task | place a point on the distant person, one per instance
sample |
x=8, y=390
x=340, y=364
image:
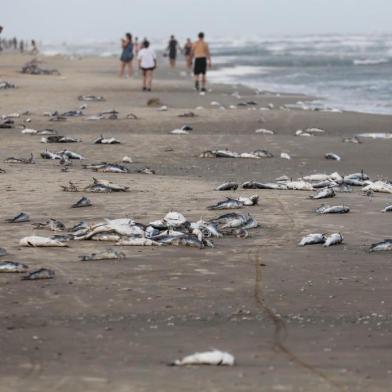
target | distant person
x=136, y=46
x=202, y=56
x=34, y=49
x=126, y=55
x=172, y=49
x=147, y=63
x=21, y=46
x=1, y=29
x=188, y=53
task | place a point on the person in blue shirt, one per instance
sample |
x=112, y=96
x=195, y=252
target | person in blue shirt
x=126, y=55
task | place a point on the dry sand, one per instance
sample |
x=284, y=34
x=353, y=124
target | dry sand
x=296, y=319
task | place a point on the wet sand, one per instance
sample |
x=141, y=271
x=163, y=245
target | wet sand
x=296, y=319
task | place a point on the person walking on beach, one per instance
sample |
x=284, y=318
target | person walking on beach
x=147, y=63
x=1, y=29
x=126, y=55
x=202, y=56
x=172, y=48
x=34, y=49
x=188, y=53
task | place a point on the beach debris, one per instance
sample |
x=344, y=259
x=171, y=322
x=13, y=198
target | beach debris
x=108, y=254
x=215, y=358
x=103, y=140
x=51, y=224
x=71, y=187
x=285, y=155
x=333, y=157
x=7, y=124
x=2, y=171
x=187, y=115
x=382, y=246
x=265, y=132
x=126, y=159
x=309, y=132
x=132, y=116
x=227, y=186
x=136, y=241
x=179, y=131
x=4, y=85
x=326, y=209
x=3, y=252
x=163, y=108
x=227, y=204
x=257, y=154
x=324, y=193
x=333, y=239
x=312, y=239
x=154, y=102
x=37, y=241
x=61, y=155
x=42, y=273
x=264, y=185
x=387, y=209
x=102, y=186
x=32, y=68
x=20, y=218
x=354, y=140
x=25, y=161
x=72, y=113
x=83, y=202
x=59, y=139
x=29, y=131
x=12, y=267
x=91, y=98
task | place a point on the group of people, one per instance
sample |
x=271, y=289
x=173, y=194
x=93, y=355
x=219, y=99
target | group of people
x=197, y=54
x=15, y=44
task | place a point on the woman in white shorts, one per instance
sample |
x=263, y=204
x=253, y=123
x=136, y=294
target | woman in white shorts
x=147, y=63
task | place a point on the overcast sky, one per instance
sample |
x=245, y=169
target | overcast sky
x=105, y=20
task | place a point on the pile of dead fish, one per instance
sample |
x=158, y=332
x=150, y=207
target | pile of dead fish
x=174, y=229
x=4, y=85
x=32, y=68
x=16, y=267
x=257, y=154
x=61, y=155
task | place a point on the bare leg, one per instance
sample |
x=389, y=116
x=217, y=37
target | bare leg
x=122, y=69
x=144, y=80
x=149, y=79
x=203, y=82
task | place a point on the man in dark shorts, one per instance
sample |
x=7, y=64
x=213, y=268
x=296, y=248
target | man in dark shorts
x=172, y=48
x=202, y=56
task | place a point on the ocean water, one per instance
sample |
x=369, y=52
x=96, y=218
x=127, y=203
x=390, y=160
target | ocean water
x=347, y=72
x=350, y=72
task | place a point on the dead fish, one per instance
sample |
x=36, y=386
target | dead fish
x=323, y=194
x=227, y=186
x=29, y=131
x=219, y=154
x=70, y=154
x=146, y=170
x=3, y=252
x=51, y=224
x=284, y=155
x=216, y=358
x=42, y=273
x=137, y=241
x=21, y=160
x=108, y=254
x=110, y=185
x=102, y=140
x=131, y=116
x=91, y=98
x=187, y=115
x=333, y=239
x=104, y=236
x=325, y=209
x=299, y=185
x=332, y=156
x=227, y=205
x=127, y=159
x=12, y=267
x=72, y=113
x=387, y=209
x=343, y=188
x=107, y=167
x=265, y=131
x=187, y=240
x=179, y=132
x=70, y=188
x=264, y=185
x=249, y=201
x=378, y=186
x=312, y=239
x=50, y=155
x=21, y=217
x=353, y=139
x=83, y=202
x=59, y=139
x=36, y=241
x=263, y=154
x=382, y=246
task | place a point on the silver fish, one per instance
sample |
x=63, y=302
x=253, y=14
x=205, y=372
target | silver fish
x=103, y=140
x=226, y=205
x=333, y=239
x=325, y=209
x=108, y=254
x=106, y=236
x=11, y=267
x=42, y=273
x=21, y=217
x=91, y=98
x=382, y=246
x=312, y=239
x=59, y=139
x=332, y=156
x=323, y=194
x=70, y=154
x=83, y=202
x=263, y=185
x=227, y=186
x=387, y=209
x=137, y=241
x=51, y=224
x=50, y=155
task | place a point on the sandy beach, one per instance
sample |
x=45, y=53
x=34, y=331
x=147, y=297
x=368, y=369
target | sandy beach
x=295, y=318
